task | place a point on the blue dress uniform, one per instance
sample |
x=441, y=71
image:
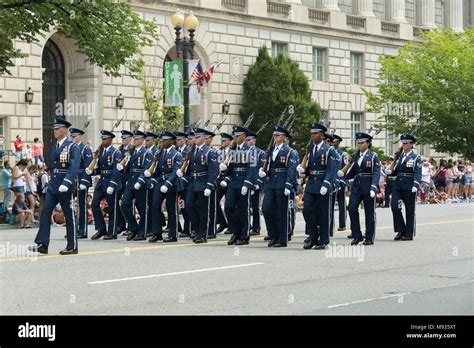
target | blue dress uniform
x=221, y=219
x=292, y=204
x=321, y=172
x=281, y=176
x=153, y=149
x=366, y=174
x=64, y=165
x=107, y=187
x=183, y=151
x=257, y=188
x=405, y=188
x=340, y=195
x=189, y=229
x=121, y=223
x=164, y=179
x=201, y=174
x=212, y=228
x=137, y=189
x=83, y=183
x=242, y=174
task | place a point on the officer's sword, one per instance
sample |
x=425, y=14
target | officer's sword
x=208, y=121
x=263, y=127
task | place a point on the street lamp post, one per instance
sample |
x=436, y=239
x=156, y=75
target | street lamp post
x=185, y=46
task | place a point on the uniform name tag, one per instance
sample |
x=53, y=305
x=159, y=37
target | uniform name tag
x=410, y=163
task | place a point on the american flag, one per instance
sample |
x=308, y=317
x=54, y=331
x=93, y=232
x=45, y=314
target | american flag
x=201, y=77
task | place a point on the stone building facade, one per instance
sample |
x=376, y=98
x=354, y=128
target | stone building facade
x=337, y=43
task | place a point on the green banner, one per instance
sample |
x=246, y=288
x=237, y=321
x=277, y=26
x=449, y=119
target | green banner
x=174, y=83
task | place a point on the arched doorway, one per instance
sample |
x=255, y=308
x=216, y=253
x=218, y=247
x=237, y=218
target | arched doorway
x=54, y=91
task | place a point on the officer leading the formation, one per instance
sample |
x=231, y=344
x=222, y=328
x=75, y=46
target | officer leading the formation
x=407, y=168
x=65, y=165
x=107, y=187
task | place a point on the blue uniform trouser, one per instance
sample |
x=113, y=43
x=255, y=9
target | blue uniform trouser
x=408, y=198
x=121, y=223
x=141, y=202
x=197, y=206
x=50, y=202
x=237, y=211
x=369, y=209
x=333, y=208
x=341, y=204
x=291, y=213
x=317, y=215
x=112, y=202
x=255, y=204
x=220, y=217
x=148, y=213
x=211, y=231
x=275, y=212
x=157, y=216
x=82, y=214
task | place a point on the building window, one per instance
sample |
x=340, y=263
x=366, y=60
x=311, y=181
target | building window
x=390, y=143
x=319, y=64
x=356, y=68
x=277, y=48
x=421, y=150
x=357, y=119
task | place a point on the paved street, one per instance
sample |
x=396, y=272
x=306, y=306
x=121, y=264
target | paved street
x=431, y=275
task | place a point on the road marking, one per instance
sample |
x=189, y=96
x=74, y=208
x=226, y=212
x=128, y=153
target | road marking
x=170, y=246
x=395, y=295
x=174, y=273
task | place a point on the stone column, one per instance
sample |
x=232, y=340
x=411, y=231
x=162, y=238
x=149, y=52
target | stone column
x=425, y=13
x=453, y=15
x=395, y=11
x=363, y=8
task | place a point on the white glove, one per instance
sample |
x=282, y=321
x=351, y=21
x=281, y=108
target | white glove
x=301, y=175
x=222, y=167
x=414, y=189
x=151, y=186
x=252, y=192
x=388, y=171
x=223, y=184
x=110, y=190
x=164, y=188
x=147, y=173
x=340, y=173
x=261, y=173
x=63, y=188
x=287, y=192
x=244, y=190
x=137, y=186
x=207, y=192
x=179, y=173
x=257, y=187
x=323, y=190
x=372, y=194
x=88, y=172
x=300, y=169
x=119, y=166
x=82, y=187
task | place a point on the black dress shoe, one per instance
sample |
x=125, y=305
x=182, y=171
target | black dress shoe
x=211, y=236
x=183, y=235
x=98, y=235
x=341, y=229
x=279, y=245
x=367, y=242
x=42, y=249
x=131, y=236
x=193, y=235
x=170, y=240
x=81, y=236
x=149, y=234
x=242, y=242
x=350, y=236
x=126, y=233
x=407, y=238
x=271, y=243
x=289, y=237
x=108, y=237
x=307, y=240
x=227, y=232
x=221, y=228
x=331, y=234
x=68, y=252
x=200, y=240
x=155, y=239
x=309, y=245
x=232, y=240
x=320, y=247
x=398, y=236
x=267, y=238
x=357, y=241
x=252, y=233
x=138, y=238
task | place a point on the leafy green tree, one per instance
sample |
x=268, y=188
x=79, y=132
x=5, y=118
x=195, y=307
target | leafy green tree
x=271, y=85
x=436, y=74
x=108, y=33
